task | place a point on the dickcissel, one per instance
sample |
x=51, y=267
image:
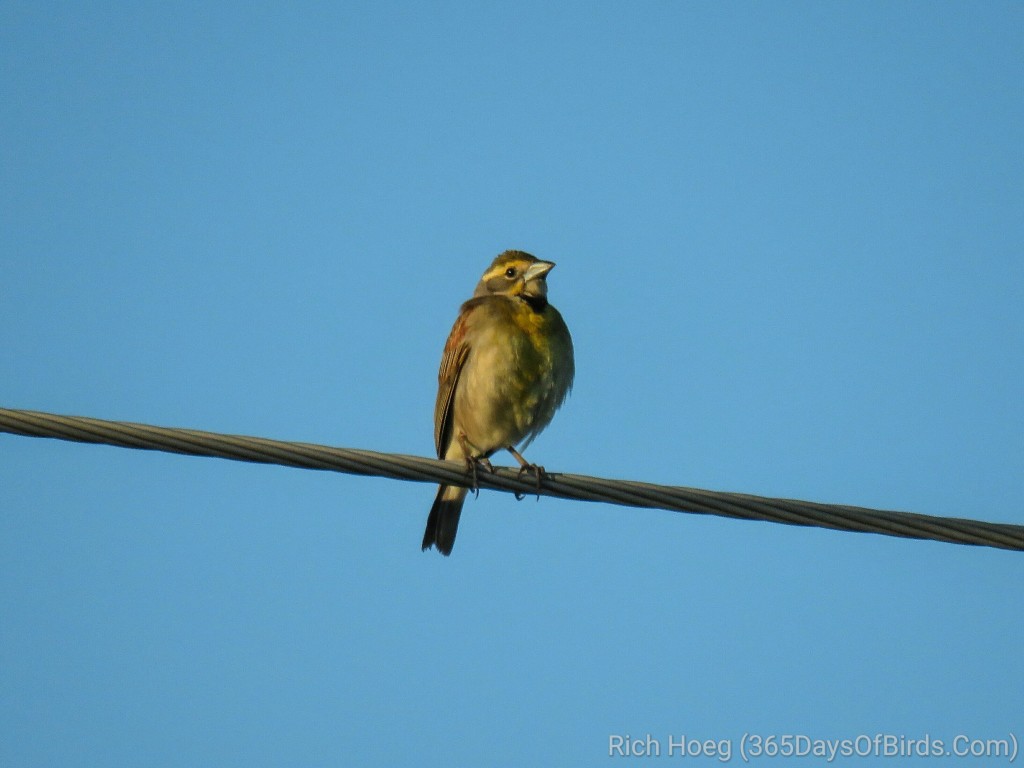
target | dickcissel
x=507, y=367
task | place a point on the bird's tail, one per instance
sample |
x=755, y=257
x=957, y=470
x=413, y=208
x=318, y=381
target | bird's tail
x=443, y=522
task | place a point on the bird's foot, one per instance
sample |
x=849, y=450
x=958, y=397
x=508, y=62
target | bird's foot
x=524, y=467
x=472, y=463
x=538, y=472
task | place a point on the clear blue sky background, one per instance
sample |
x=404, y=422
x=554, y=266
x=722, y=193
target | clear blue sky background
x=789, y=244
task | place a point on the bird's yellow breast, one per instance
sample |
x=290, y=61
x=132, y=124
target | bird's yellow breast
x=532, y=323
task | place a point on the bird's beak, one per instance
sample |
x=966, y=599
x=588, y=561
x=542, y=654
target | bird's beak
x=538, y=270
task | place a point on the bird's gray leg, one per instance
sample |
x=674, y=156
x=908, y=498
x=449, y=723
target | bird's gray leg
x=474, y=458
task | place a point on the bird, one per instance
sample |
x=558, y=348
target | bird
x=507, y=367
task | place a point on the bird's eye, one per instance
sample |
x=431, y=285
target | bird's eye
x=510, y=272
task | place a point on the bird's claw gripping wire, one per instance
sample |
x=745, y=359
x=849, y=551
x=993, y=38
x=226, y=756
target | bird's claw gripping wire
x=525, y=466
x=472, y=462
x=474, y=458
x=538, y=472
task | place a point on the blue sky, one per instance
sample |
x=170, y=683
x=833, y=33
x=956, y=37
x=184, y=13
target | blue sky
x=789, y=245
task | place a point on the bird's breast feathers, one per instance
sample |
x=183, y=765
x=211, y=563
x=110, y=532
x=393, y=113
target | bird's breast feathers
x=518, y=371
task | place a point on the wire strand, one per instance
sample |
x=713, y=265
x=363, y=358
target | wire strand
x=579, y=487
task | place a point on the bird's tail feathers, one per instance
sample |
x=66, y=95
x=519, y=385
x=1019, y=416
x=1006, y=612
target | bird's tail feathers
x=443, y=521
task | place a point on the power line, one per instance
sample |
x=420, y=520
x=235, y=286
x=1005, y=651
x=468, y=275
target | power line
x=579, y=487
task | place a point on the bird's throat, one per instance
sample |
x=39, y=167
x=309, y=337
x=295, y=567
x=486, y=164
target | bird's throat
x=536, y=303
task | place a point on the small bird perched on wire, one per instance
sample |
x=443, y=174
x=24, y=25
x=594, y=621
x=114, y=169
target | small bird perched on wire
x=507, y=367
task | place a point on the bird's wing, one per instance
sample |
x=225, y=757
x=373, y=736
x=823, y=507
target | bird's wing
x=456, y=350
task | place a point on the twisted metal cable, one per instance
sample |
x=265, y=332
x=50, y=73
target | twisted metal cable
x=579, y=487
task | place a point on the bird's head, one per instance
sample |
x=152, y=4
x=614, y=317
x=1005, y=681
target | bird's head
x=517, y=274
